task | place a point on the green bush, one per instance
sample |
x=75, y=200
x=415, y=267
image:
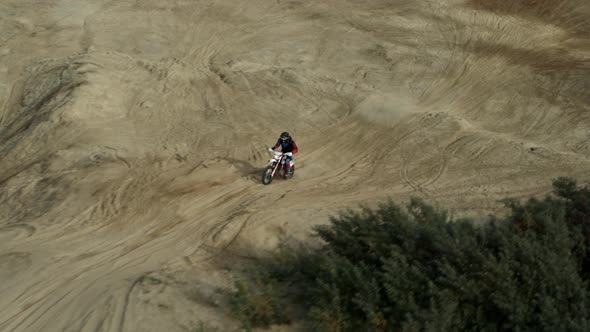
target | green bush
x=414, y=269
x=255, y=302
x=203, y=327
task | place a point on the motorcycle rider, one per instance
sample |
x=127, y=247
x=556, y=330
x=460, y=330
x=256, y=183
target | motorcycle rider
x=287, y=144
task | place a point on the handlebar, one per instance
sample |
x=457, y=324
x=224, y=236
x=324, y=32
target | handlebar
x=277, y=153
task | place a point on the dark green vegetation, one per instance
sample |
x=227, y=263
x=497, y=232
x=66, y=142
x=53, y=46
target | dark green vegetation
x=413, y=269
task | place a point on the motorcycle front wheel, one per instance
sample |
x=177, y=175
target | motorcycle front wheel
x=267, y=175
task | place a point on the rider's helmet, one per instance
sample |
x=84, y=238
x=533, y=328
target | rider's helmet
x=285, y=136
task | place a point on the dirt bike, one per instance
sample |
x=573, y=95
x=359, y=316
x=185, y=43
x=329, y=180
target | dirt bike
x=277, y=164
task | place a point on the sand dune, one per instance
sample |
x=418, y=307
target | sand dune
x=133, y=135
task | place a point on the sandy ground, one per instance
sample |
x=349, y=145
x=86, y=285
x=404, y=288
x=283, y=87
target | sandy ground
x=133, y=135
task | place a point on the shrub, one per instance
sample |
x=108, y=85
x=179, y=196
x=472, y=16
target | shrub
x=414, y=269
x=255, y=301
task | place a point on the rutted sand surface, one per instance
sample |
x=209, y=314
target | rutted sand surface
x=133, y=134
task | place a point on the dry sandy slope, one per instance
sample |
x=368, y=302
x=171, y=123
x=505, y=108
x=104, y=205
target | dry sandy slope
x=132, y=135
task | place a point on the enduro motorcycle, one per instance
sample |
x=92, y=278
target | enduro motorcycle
x=277, y=165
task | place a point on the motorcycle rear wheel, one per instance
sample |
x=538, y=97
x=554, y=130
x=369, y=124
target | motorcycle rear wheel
x=291, y=173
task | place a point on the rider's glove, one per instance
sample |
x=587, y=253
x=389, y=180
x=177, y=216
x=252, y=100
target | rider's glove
x=270, y=149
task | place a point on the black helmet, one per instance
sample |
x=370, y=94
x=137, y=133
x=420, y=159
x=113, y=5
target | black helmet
x=285, y=136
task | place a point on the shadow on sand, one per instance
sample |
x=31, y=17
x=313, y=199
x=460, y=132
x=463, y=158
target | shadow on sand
x=246, y=169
